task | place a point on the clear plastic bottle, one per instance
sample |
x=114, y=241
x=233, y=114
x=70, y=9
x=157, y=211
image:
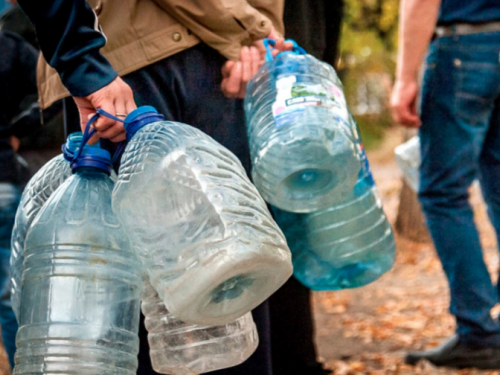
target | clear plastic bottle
x=178, y=348
x=207, y=241
x=37, y=192
x=81, y=283
x=302, y=149
x=346, y=245
x=408, y=159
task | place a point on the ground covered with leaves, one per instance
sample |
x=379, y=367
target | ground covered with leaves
x=370, y=329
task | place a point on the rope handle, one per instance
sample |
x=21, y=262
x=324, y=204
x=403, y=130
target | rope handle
x=270, y=43
x=90, y=132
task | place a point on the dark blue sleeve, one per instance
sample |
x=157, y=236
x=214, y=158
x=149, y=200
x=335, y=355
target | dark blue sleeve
x=70, y=40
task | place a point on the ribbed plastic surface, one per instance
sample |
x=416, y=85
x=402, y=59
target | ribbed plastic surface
x=302, y=149
x=37, y=192
x=80, y=287
x=345, y=245
x=178, y=348
x=205, y=236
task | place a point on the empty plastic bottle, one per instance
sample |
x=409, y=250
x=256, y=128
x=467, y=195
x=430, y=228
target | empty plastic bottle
x=37, y=192
x=207, y=241
x=178, y=348
x=302, y=149
x=346, y=245
x=81, y=283
x=408, y=159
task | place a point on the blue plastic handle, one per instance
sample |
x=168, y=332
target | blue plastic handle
x=90, y=132
x=270, y=43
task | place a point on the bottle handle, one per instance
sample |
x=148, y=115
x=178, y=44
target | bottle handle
x=270, y=43
x=90, y=132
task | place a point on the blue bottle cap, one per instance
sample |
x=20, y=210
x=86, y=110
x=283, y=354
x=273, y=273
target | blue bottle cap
x=72, y=145
x=140, y=117
x=93, y=157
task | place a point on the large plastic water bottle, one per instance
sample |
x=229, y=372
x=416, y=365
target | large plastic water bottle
x=178, y=348
x=37, y=192
x=408, y=159
x=207, y=241
x=348, y=244
x=81, y=283
x=303, y=154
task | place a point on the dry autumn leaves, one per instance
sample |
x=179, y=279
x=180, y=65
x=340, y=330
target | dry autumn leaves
x=369, y=330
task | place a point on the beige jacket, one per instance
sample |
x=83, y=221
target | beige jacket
x=141, y=32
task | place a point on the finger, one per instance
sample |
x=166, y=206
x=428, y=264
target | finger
x=273, y=34
x=114, y=131
x=103, y=123
x=280, y=44
x=129, y=101
x=226, y=69
x=256, y=60
x=119, y=138
x=95, y=138
x=246, y=64
x=287, y=46
x=234, y=81
x=403, y=116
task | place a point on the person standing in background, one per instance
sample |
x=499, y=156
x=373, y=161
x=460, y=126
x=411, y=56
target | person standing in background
x=4, y=6
x=17, y=74
x=15, y=20
x=459, y=125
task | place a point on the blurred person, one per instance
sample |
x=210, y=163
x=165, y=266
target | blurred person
x=4, y=6
x=16, y=21
x=459, y=126
x=17, y=74
x=189, y=59
x=315, y=26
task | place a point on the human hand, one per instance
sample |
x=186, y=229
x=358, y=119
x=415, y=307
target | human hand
x=403, y=103
x=236, y=74
x=280, y=46
x=117, y=99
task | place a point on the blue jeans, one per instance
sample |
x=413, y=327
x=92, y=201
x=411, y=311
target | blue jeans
x=9, y=199
x=460, y=141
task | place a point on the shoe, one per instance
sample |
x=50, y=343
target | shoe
x=453, y=353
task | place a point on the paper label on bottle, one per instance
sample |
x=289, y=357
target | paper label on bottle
x=293, y=97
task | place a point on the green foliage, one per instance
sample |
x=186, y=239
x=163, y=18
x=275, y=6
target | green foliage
x=368, y=49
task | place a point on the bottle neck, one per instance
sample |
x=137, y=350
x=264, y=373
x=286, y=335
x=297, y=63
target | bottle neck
x=87, y=171
x=140, y=121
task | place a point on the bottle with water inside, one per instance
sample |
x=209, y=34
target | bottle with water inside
x=303, y=154
x=345, y=245
x=81, y=283
x=178, y=348
x=37, y=192
x=207, y=241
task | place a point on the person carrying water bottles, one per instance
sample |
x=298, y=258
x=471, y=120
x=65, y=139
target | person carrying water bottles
x=460, y=140
x=18, y=88
x=171, y=54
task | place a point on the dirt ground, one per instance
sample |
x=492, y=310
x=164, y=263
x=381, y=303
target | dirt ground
x=369, y=330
